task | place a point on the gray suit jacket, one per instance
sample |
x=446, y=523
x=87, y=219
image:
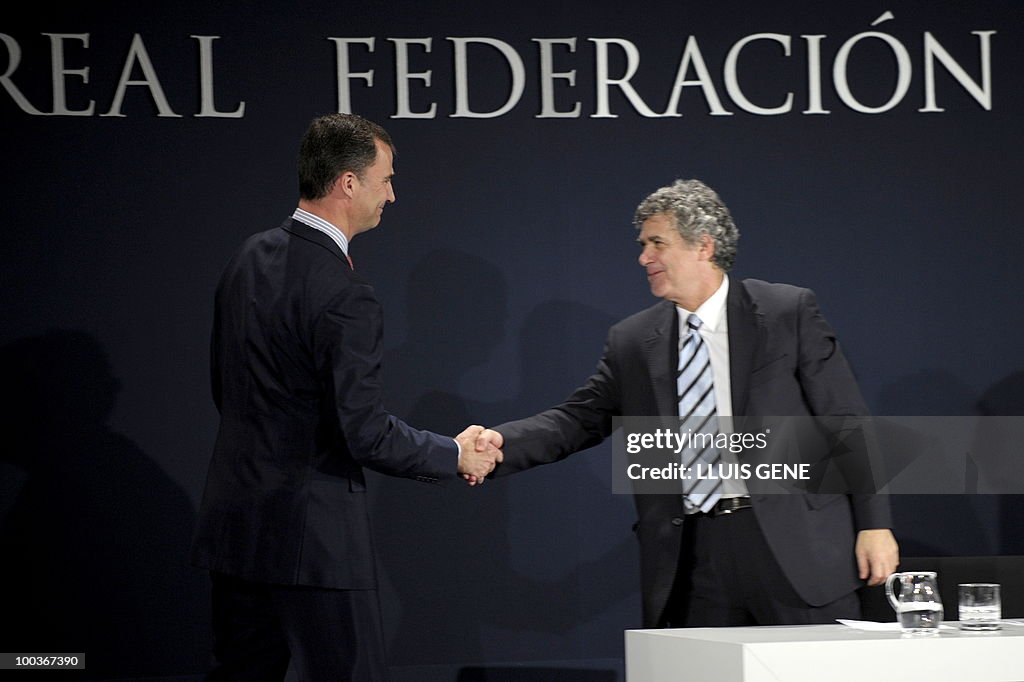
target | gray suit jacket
x=784, y=361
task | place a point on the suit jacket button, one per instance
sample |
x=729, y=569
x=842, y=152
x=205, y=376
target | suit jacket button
x=676, y=521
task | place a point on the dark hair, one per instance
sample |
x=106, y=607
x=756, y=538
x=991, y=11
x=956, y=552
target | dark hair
x=697, y=211
x=334, y=144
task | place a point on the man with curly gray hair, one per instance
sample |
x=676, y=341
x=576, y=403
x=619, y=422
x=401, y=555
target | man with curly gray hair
x=697, y=211
x=721, y=553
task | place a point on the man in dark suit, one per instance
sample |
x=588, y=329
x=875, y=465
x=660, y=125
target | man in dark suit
x=725, y=554
x=296, y=354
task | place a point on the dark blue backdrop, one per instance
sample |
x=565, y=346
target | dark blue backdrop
x=506, y=257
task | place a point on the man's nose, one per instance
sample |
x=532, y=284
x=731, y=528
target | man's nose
x=645, y=258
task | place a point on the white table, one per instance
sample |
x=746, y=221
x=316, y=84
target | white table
x=822, y=653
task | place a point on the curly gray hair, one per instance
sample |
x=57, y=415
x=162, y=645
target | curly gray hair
x=697, y=211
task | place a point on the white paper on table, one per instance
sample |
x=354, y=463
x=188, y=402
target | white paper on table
x=872, y=626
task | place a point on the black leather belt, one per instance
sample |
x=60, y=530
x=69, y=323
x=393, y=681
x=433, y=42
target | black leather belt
x=728, y=505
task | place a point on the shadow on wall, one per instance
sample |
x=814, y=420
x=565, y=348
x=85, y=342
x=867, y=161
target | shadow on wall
x=94, y=533
x=952, y=525
x=1005, y=398
x=454, y=589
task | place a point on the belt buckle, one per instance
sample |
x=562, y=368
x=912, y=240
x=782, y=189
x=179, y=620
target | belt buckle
x=730, y=505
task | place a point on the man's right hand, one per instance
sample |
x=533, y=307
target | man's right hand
x=476, y=458
x=486, y=440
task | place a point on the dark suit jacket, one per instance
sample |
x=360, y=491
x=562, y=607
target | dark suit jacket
x=296, y=353
x=784, y=361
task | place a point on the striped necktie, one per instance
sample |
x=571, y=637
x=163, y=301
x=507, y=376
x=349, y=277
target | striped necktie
x=695, y=388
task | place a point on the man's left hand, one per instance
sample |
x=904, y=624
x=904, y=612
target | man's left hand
x=877, y=553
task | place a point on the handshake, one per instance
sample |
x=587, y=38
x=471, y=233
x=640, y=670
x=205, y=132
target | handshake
x=479, y=453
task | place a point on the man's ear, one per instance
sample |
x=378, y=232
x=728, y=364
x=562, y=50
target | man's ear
x=345, y=184
x=707, y=247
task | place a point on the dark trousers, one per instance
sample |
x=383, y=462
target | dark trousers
x=326, y=635
x=728, y=576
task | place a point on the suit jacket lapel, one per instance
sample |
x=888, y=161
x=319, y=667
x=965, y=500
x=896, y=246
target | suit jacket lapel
x=743, y=336
x=661, y=350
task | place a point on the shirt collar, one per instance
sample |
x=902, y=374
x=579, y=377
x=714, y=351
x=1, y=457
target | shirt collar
x=712, y=311
x=318, y=223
